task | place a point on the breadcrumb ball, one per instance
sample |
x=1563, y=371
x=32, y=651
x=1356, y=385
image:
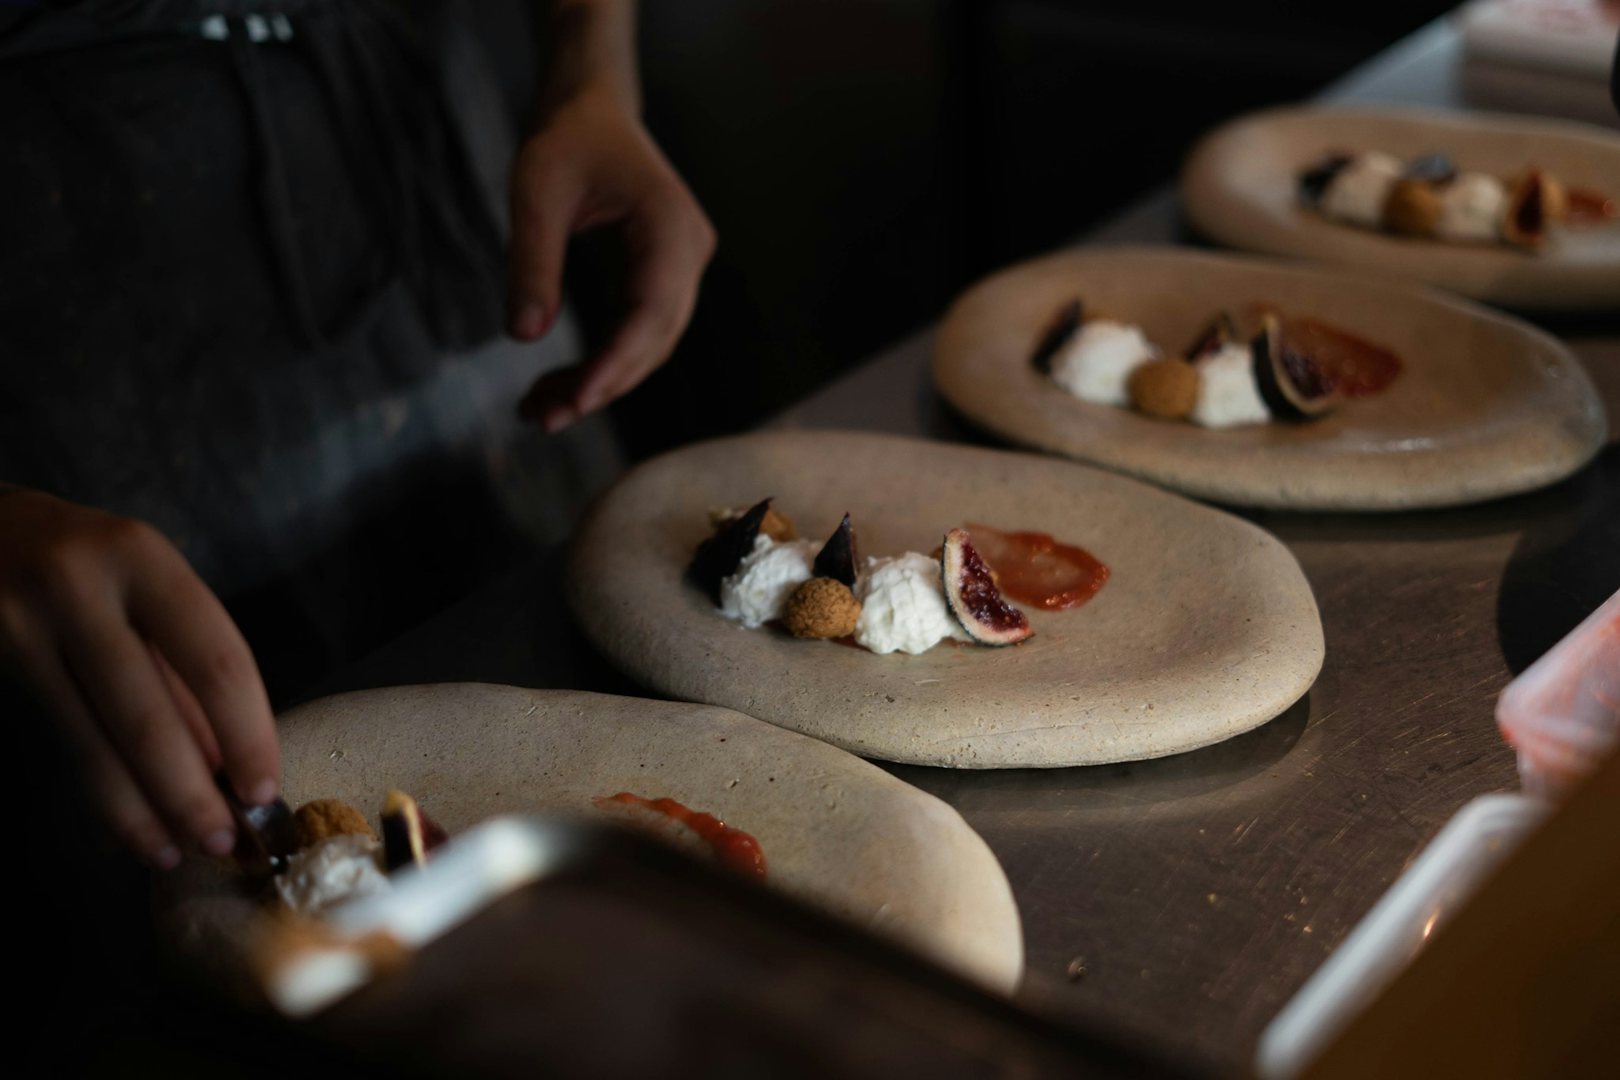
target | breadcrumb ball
x=1412, y=208
x=821, y=608
x=323, y=818
x=1165, y=388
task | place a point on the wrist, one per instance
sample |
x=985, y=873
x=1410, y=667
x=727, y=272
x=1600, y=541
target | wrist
x=591, y=56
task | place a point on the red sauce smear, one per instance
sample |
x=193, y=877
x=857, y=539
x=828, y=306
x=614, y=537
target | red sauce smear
x=1035, y=569
x=1588, y=207
x=1354, y=366
x=733, y=848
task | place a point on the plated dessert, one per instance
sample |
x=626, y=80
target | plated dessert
x=1431, y=198
x=1204, y=628
x=788, y=812
x=1518, y=211
x=1372, y=394
x=1286, y=368
x=760, y=573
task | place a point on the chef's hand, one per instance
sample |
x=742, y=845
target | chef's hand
x=590, y=164
x=142, y=669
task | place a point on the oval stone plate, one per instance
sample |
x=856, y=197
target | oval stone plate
x=1485, y=405
x=1239, y=188
x=1206, y=628
x=836, y=831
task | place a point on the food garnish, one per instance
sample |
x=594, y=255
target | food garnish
x=971, y=592
x=717, y=557
x=316, y=821
x=731, y=848
x=822, y=607
x=407, y=833
x=836, y=559
x=1165, y=388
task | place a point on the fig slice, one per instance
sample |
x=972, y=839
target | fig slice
x=266, y=836
x=1314, y=181
x=1056, y=335
x=836, y=559
x=1292, y=384
x=1435, y=168
x=1220, y=331
x=408, y=834
x=717, y=557
x=1537, y=200
x=971, y=593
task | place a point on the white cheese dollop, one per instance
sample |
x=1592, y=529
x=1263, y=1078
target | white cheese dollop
x=1472, y=207
x=903, y=606
x=336, y=869
x=1228, y=395
x=1357, y=194
x=1096, y=364
x=764, y=580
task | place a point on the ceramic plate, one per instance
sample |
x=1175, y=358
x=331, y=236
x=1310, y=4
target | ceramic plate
x=835, y=830
x=1239, y=188
x=1486, y=405
x=1206, y=628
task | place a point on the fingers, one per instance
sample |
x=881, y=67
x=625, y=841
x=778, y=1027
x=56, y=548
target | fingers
x=543, y=211
x=671, y=243
x=217, y=677
x=114, y=671
x=115, y=792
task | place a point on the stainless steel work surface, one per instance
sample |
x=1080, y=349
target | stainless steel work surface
x=1187, y=898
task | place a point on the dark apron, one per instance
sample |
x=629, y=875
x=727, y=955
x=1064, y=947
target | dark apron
x=244, y=264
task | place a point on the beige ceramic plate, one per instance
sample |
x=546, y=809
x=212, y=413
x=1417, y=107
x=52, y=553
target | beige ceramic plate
x=835, y=830
x=1239, y=187
x=1486, y=405
x=1206, y=628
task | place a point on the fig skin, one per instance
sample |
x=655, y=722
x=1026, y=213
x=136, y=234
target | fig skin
x=972, y=596
x=266, y=836
x=836, y=559
x=1167, y=389
x=1412, y=208
x=1220, y=331
x=1289, y=383
x=1314, y=181
x=717, y=557
x=1056, y=335
x=1537, y=201
x=407, y=833
x=1435, y=168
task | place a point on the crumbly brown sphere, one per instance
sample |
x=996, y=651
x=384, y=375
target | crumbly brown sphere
x=1412, y=208
x=316, y=821
x=821, y=608
x=1165, y=388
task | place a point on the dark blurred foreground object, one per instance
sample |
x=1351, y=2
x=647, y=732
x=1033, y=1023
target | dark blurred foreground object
x=635, y=961
x=1524, y=981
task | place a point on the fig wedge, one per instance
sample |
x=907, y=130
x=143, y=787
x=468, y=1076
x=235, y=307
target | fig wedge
x=1537, y=201
x=408, y=834
x=1314, y=181
x=1436, y=168
x=1220, y=331
x=266, y=836
x=971, y=593
x=717, y=557
x=836, y=559
x=1056, y=335
x=1292, y=385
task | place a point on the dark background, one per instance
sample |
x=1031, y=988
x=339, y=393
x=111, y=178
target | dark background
x=863, y=160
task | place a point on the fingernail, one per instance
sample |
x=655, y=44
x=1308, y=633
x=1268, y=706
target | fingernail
x=264, y=792
x=220, y=843
x=530, y=322
x=166, y=858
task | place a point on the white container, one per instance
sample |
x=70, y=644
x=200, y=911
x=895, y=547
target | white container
x=1437, y=883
